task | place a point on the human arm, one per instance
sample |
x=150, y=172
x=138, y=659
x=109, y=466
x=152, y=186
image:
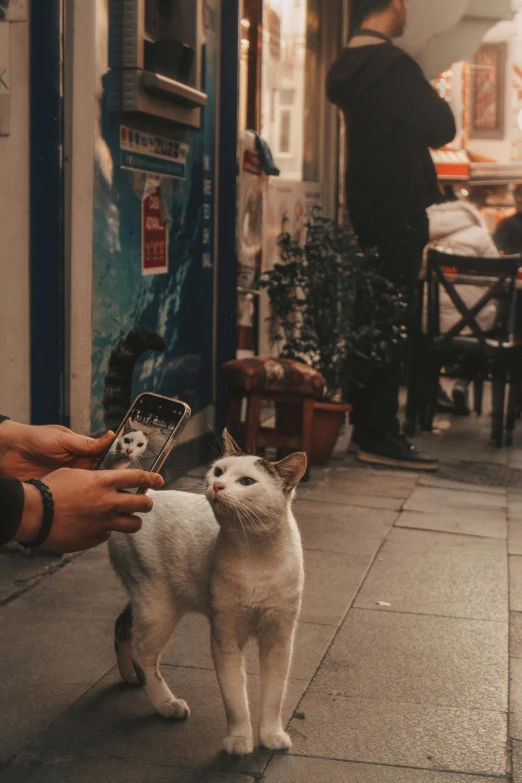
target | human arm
x=414, y=101
x=27, y=451
x=88, y=505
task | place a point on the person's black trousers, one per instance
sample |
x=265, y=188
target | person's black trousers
x=375, y=407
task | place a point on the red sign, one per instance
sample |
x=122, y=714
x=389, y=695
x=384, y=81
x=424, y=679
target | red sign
x=154, y=236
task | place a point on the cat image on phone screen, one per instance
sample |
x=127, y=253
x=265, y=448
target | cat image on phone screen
x=126, y=449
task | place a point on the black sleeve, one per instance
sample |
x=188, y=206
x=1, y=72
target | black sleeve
x=11, y=504
x=11, y=507
x=414, y=101
x=502, y=237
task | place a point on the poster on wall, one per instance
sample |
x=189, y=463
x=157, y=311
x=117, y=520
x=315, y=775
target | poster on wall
x=154, y=232
x=140, y=151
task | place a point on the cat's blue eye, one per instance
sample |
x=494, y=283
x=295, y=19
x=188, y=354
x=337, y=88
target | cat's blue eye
x=246, y=481
x=218, y=472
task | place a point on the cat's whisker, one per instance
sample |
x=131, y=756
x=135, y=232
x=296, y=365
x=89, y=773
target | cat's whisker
x=219, y=453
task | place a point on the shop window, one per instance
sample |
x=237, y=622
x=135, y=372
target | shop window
x=291, y=86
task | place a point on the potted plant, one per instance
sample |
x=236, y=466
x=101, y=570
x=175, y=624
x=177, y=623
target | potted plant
x=333, y=310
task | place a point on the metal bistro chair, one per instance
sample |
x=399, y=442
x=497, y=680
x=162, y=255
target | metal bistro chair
x=496, y=356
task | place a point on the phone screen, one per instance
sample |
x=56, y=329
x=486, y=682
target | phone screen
x=144, y=434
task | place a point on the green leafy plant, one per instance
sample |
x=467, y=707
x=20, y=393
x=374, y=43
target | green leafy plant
x=332, y=309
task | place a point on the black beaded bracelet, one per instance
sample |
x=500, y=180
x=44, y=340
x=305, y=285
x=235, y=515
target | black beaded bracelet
x=48, y=513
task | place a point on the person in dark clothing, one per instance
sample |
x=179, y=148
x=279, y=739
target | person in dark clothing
x=76, y=507
x=508, y=235
x=393, y=117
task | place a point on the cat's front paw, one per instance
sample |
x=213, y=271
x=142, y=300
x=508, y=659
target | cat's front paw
x=237, y=745
x=276, y=740
x=175, y=709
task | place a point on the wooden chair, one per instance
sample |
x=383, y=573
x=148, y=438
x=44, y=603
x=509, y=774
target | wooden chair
x=290, y=385
x=495, y=356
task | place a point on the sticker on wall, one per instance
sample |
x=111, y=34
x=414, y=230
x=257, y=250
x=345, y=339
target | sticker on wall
x=154, y=230
x=152, y=154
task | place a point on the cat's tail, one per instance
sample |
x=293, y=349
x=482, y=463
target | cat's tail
x=118, y=381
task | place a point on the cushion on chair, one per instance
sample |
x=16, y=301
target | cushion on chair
x=265, y=373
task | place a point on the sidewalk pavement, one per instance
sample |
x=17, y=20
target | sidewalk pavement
x=401, y=671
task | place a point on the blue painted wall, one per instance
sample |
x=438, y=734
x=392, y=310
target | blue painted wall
x=178, y=305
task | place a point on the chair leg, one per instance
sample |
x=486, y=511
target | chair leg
x=253, y=424
x=499, y=394
x=478, y=394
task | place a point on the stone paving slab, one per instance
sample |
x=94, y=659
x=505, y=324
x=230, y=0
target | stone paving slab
x=443, y=483
x=113, y=771
x=411, y=735
x=462, y=513
x=515, y=698
x=428, y=497
x=438, y=573
x=190, y=646
x=116, y=721
x=399, y=658
x=515, y=583
x=19, y=573
x=515, y=511
x=468, y=524
x=342, y=528
x=515, y=537
x=332, y=582
x=517, y=761
x=338, y=495
x=349, y=482
x=515, y=635
x=296, y=769
x=55, y=641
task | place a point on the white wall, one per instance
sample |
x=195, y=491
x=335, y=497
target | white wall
x=14, y=236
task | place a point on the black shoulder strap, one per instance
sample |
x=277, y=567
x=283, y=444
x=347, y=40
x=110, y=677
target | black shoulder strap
x=371, y=34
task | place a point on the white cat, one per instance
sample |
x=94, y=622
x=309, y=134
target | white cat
x=126, y=449
x=236, y=557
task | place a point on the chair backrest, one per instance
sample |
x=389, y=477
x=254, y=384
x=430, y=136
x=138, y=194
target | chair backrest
x=496, y=275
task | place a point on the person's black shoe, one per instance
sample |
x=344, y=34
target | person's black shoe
x=460, y=399
x=394, y=451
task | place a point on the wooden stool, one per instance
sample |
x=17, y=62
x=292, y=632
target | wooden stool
x=276, y=380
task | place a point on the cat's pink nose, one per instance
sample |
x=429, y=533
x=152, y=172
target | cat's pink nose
x=218, y=487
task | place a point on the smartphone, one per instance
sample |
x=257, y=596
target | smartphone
x=146, y=435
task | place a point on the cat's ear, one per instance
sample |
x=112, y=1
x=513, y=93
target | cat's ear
x=292, y=469
x=230, y=447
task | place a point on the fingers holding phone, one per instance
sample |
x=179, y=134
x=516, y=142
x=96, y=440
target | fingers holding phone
x=88, y=506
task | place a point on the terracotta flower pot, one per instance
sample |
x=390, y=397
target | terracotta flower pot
x=327, y=421
x=328, y=418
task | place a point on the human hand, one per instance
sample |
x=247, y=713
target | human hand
x=31, y=452
x=87, y=507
